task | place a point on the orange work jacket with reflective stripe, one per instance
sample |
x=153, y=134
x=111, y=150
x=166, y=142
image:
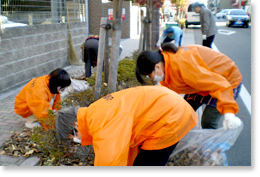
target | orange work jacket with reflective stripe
x=146, y=117
x=199, y=69
x=35, y=99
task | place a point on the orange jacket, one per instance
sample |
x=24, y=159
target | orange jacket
x=199, y=69
x=35, y=99
x=146, y=117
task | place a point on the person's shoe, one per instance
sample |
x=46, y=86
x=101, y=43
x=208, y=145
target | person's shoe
x=32, y=125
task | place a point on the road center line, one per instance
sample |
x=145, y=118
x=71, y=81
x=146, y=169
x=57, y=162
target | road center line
x=244, y=94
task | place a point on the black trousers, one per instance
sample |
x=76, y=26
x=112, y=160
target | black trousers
x=208, y=42
x=90, y=55
x=154, y=157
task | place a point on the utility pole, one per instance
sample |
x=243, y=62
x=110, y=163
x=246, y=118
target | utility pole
x=239, y=4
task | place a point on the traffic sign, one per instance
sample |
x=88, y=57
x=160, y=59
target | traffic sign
x=110, y=14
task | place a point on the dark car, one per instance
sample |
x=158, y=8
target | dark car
x=237, y=17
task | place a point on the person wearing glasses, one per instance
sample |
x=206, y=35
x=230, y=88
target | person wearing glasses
x=40, y=95
x=137, y=126
x=204, y=75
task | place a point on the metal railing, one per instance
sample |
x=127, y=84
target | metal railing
x=32, y=12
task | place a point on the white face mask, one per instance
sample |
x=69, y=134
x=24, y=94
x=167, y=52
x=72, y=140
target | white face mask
x=60, y=89
x=158, y=78
x=76, y=140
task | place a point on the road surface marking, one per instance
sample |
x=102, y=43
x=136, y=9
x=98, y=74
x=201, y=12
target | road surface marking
x=226, y=32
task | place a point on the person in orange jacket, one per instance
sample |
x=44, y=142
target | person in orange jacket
x=40, y=95
x=205, y=76
x=137, y=126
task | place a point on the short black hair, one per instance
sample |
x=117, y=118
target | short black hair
x=58, y=77
x=169, y=47
x=146, y=62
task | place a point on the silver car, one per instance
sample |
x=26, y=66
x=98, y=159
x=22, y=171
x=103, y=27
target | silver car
x=222, y=14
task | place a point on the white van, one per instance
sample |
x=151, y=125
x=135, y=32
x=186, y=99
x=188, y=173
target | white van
x=192, y=18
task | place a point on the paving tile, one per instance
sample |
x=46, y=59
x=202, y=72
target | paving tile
x=4, y=123
x=20, y=161
x=15, y=125
x=13, y=121
x=8, y=159
x=9, y=164
x=4, y=127
x=4, y=136
x=31, y=161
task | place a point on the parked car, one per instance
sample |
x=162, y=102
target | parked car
x=222, y=14
x=237, y=17
x=192, y=18
x=5, y=23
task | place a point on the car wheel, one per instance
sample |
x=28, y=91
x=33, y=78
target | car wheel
x=246, y=25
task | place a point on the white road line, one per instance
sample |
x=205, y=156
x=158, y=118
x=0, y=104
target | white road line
x=226, y=32
x=244, y=94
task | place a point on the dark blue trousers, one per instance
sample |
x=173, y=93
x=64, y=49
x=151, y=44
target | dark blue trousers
x=208, y=42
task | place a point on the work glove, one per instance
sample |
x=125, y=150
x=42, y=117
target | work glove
x=231, y=121
x=204, y=37
x=159, y=47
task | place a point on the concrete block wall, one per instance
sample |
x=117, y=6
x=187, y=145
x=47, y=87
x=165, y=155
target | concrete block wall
x=32, y=51
x=97, y=9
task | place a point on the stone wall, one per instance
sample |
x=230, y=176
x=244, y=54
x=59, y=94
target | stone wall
x=32, y=51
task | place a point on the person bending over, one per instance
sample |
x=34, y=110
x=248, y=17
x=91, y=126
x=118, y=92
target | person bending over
x=137, y=126
x=205, y=77
x=40, y=95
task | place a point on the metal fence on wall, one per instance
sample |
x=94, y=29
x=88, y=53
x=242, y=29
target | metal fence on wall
x=33, y=12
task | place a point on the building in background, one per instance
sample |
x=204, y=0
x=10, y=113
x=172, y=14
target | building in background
x=218, y=5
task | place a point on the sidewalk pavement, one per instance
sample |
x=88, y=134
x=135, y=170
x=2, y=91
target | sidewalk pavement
x=10, y=122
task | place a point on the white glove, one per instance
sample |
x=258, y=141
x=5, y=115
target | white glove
x=204, y=37
x=231, y=121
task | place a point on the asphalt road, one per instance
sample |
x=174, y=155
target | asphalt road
x=235, y=42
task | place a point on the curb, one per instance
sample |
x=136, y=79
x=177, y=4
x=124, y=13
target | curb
x=31, y=161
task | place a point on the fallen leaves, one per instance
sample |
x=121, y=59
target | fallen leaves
x=45, y=146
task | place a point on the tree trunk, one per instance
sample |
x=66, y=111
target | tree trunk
x=155, y=27
x=116, y=36
x=148, y=25
x=100, y=59
x=106, y=58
